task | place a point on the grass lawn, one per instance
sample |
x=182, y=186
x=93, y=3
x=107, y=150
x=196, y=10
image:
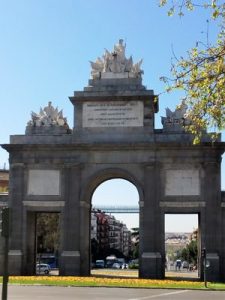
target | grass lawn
x=111, y=282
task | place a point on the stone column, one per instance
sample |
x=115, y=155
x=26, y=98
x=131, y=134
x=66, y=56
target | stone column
x=211, y=223
x=151, y=228
x=69, y=263
x=16, y=196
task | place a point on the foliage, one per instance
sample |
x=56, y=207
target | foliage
x=47, y=232
x=202, y=73
x=4, y=189
x=134, y=264
x=190, y=252
x=135, y=232
x=135, y=242
x=135, y=252
x=94, y=249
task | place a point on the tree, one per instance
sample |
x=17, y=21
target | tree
x=202, y=73
x=47, y=232
x=94, y=249
x=135, y=242
x=190, y=252
x=135, y=233
x=4, y=189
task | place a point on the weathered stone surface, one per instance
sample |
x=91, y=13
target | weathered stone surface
x=43, y=182
x=182, y=182
x=113, y=114
x=170, y=173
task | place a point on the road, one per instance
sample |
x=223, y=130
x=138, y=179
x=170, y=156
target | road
x=86, y=293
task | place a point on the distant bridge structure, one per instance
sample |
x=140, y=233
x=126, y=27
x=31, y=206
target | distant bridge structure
x=117, y=209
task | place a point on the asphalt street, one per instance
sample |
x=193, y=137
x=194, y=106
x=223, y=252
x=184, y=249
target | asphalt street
x=86, y=293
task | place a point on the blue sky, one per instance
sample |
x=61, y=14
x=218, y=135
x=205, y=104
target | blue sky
x=46, y=47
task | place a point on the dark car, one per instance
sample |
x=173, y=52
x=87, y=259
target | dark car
x=100, y=263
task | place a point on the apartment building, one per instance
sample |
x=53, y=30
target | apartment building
x=111, y=233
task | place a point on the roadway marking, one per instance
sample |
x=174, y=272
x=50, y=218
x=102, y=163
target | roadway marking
x=160, y=295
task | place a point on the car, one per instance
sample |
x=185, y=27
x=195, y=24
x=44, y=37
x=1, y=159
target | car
x=42, y=269
x=116, y=265
x=185, y=265
x=100, y=263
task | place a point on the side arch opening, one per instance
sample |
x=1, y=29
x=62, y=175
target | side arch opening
x=182, y=245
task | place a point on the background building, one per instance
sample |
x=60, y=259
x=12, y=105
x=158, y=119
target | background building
x=4, y=180
x=110, y=234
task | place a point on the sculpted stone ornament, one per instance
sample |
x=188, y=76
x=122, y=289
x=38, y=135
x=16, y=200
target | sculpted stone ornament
x=48, y=118
x=175, y=121
x=115, y=64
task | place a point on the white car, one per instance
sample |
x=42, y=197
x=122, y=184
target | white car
x=42, y=269
x=116, y=266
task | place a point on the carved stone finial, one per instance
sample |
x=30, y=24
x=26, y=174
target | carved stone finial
x=115, y=64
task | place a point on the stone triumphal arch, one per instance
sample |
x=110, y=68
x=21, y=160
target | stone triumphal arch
x=56, y=169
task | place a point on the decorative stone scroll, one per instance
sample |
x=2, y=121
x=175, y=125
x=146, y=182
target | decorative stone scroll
x=115, y=64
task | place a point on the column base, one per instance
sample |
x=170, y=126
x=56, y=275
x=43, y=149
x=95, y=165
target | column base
x=69, y=264
x=151, y=266
x=213, y=271
x=15, y=262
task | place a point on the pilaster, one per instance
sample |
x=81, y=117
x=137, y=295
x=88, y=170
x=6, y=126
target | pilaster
x=151, y=228
x=69, y=263
x=16, y=196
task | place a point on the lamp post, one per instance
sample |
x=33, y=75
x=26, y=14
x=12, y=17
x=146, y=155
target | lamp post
x=5, y=234
x=203, y=255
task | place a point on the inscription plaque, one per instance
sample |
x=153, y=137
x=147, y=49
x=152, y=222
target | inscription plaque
x=44, y=182
x=113, y=114
x=182, y=183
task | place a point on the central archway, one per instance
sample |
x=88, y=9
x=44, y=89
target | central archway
x=101, y=178
x=114, y=229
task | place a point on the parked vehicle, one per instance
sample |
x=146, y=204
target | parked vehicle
x=42, y=269
x=49, y=259
x=116, y=265
x=100, y=263
x=110, y=260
